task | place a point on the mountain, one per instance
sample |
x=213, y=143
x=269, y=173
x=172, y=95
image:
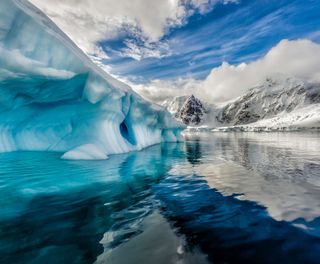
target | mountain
x=187, y=109
x=268, y=100
x=54, y=98
x=287, y=104
x=277, y=104
x=174, y=105
x=192, y=111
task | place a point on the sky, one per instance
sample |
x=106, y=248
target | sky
x=176, y=45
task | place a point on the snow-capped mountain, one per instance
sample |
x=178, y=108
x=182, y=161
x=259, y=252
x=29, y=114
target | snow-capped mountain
x=174, y=105
x=268, y=100
x=192, y=112
x=277, y=104
x=54, y=98
x=187, y=109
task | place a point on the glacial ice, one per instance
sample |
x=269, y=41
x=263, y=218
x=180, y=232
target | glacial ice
x=54, y=98
x=85, y=152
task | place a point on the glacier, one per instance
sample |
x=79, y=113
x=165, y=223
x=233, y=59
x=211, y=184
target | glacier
x=54, y=98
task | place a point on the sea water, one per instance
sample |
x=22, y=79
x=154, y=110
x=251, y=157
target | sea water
x=215, y=198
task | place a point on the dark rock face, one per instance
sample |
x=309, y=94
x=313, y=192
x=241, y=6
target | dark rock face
x=264, y=102
x=192, y=111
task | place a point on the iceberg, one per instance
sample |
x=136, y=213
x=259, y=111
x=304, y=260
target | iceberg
x=54, y=98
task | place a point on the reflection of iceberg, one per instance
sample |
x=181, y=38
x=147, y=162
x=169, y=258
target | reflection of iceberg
x=156, y=242
x=54, y=215
x=54, y=98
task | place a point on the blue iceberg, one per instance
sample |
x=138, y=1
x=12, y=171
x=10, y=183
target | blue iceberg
x=54, y=98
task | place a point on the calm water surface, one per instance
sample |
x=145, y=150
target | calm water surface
x=216, y=198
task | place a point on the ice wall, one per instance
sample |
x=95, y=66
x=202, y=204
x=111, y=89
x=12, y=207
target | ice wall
x=53, y=98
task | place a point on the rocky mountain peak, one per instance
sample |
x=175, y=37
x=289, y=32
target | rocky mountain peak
x=268, y=100
x=192, y=112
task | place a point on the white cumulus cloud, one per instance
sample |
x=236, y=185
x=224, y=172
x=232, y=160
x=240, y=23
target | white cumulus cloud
x=90, y=21
x=297, y=58
x=158, y=91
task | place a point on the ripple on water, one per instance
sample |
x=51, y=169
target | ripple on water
x=223, y=198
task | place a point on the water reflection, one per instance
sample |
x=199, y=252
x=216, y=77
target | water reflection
x=193, y=151
x=250, y=199
x=226, y=198
x=280, y=171
x=68, y=206
x=229, y=230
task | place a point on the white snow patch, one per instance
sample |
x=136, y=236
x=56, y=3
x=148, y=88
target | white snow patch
x=299, y=119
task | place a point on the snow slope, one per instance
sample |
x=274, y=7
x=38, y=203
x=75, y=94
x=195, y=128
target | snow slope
x=278, y=104
x=175, y=104
x=268, y=100
x=283, y=104
x=300, y=119
x=53, y=98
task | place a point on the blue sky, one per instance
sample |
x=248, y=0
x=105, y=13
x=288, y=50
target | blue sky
x=234, y=32
x=167, y=48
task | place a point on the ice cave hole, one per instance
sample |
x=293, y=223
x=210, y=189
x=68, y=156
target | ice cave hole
x=127, y=132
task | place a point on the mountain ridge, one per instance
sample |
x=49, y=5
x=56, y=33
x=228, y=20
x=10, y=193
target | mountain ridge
x=274, y=99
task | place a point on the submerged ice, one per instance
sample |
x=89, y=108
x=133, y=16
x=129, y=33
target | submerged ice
x=53, y=98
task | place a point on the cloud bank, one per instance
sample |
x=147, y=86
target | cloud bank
x=88, y=22
x=297, y=58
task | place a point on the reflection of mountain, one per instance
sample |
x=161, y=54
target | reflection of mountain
x=253, y=198
x=278, y=154
x=193, y=151
x=280, y=171
x=229, y=230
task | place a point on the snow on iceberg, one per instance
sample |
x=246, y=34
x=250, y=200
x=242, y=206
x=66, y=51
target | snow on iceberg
x=54, y=98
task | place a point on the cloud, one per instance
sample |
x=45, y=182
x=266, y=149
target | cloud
x=88, y=22
x=158, y=91
x=205, y=6
x=298, y=59
x=146, y=50
x=194, y=49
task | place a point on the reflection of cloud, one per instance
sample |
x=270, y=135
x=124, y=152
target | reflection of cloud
x=279, y=171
